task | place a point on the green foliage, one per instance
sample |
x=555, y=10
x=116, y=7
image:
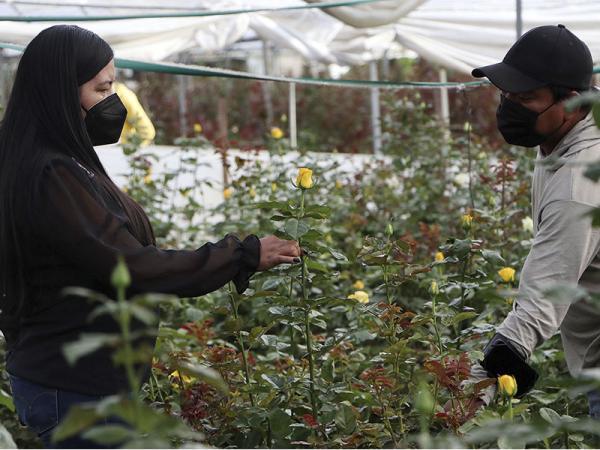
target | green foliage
x=367, y=342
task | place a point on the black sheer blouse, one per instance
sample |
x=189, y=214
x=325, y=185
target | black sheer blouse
x=75, y=231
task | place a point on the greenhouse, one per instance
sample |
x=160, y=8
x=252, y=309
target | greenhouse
x=299, y=224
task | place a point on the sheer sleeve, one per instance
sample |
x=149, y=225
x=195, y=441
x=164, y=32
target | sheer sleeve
x=69, y=215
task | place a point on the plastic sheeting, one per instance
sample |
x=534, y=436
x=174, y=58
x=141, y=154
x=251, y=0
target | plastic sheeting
x=456, y=34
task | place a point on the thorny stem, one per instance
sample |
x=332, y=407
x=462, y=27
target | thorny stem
x=240, y=340
x=293, y=346
x=386, y=421
x=435, y=399
x=124, y=322
x=435, y=327
x=307, y=309
x=510, y=409
x=160, y=395
x=458, y=327
x=460, y=406
x=387, y=284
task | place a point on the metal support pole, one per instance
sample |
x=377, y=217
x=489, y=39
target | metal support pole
x=293, y=124
x=266, y=85
x=444, y=103
x=182, y=97
x=375, y=110
x=519, y=19
x=385, y=66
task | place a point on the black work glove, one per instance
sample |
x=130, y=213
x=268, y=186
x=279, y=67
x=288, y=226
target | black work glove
x=502, y=358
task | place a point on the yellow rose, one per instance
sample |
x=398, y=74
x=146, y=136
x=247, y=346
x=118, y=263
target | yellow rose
x=507, y=274
x=360, y=297
x=197, y=128
x=439, y=256
x=276, y=133
x=304, y=178
x=507, y=385
x=466, y=220
x=227, y=193
x=185, y=379
x=358, y=285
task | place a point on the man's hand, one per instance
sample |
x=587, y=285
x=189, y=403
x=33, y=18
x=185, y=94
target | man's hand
x=275, y=251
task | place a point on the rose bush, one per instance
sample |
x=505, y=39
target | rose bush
x=369, y=342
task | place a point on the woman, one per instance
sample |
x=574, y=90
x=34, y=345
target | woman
x=63, y=223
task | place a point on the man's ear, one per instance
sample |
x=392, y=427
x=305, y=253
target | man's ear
x=574, y=112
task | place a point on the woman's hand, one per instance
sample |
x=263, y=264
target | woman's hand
x=275, y=251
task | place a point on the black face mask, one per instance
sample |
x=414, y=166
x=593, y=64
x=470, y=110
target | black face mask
x=104, y=121
x=517, y=123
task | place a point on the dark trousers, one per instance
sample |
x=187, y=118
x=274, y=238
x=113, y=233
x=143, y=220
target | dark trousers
x=41, y=409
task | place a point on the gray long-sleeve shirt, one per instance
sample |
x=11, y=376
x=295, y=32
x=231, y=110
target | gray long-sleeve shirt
x=565, y=250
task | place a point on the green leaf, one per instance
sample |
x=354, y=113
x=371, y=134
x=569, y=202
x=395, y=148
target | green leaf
x=337, y=255
x=587, y=98
x=6, y=400
x=204, y=373
x=273, y=341
x=317, y=212
x=270, y=380
x=565, y=293
x=593, y=173
x=312, y=236
x=280, y=423
x=78, y=419
x=85, y=293
x=545, y=398
x=283, y=206
x=315, y=265
x=6, y=440
x=295, y=229
x=493, y=257
x=345, y=420
x=110, y=434
x=86, y=344
x=463, y=316
x=457, y=247
x=550, y=416
x=143, y=314
x=279, y=217
x=595, y=213
x=596, y=113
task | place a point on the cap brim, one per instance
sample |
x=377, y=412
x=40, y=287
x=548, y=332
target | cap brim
x=507, y=78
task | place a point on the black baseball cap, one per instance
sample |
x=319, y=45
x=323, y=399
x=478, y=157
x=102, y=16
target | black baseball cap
x=549, y=55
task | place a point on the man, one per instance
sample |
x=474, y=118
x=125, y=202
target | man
x=545, y=67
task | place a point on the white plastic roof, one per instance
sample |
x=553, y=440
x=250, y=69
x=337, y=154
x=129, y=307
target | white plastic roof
x=457, y=34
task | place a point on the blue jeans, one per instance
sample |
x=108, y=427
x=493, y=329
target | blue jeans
x=41, y=408
x=594, y=404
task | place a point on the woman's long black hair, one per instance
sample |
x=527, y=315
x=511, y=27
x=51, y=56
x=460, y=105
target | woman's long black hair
x=44, y=115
